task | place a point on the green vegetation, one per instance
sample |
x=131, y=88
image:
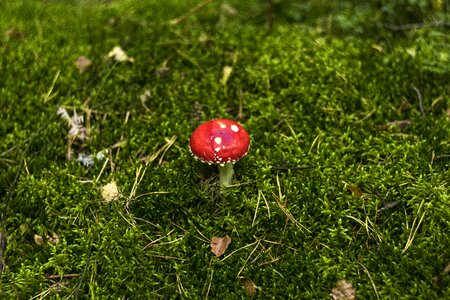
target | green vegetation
x=347, y=176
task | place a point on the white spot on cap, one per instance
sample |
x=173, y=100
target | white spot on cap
x=234, y=128
x=217, y=149
x=218, y=140
x=222, y=125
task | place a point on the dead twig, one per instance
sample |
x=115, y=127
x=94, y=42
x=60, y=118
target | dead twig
x=412, y=26
x=294, y=168
x=190, y=13
x=62, y=276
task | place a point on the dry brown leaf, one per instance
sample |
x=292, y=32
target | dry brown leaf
x=353, y=189
x=52, y=239
x=249, y=286
x=110, y=192
x=219, y=244
x=82, y=63
x=13, y=33
x=343, y=291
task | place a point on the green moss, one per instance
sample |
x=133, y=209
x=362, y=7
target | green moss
x=323, y=98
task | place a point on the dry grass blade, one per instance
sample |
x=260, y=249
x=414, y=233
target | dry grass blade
x=250, y=255
x=160, y=152
x=371, y=280
x=414, y=228
x=256, y=209
x=283, y=208
x=288, y=214
x=369, y=226
x=209, y=285
x=191, y=12
x=140, y=172
x=50, y=90
x=237, y=250
x=157, y=243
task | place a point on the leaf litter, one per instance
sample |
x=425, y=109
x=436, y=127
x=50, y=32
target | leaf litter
x=219, y=245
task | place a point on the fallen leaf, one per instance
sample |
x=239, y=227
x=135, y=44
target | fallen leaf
x=226, y=74
x=343, y=291
x=52, y=239
x=354, y=189
x=219, y=244
x=228, y=9
x=118, y=54
x=249, y=286
x=411, y=51
x=446, y=270
x=110, y=192
x=82, y=63
x=39, y=240
x=13, y=33
x=378, y=47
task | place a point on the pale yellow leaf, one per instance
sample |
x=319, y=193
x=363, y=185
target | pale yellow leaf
x=118, y=54
x=226, y=74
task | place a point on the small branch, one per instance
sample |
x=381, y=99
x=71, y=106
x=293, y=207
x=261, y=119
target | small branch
x=62, y=276
x=412, y=26
x=294, y=168
x=389, y=206
x=441, y=156
x=270, y=14
x=191, y=12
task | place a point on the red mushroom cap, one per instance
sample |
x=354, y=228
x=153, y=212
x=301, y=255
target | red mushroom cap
x=219, y=141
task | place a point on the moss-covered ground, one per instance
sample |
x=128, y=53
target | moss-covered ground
x=347, y=177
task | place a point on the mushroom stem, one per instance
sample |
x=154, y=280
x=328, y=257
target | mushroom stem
x=226, y=174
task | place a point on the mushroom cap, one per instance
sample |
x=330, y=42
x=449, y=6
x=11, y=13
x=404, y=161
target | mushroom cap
x=219, y=141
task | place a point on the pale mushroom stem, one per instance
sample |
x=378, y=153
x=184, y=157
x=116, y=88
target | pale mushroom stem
x=226, y=174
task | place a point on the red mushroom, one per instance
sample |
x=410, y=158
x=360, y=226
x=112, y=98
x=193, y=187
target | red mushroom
x=221, y=142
